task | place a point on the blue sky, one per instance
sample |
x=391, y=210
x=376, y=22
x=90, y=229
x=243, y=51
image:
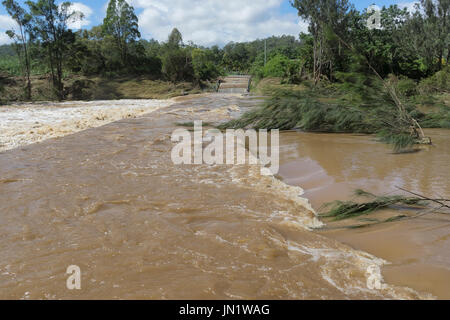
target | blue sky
x=205, y=22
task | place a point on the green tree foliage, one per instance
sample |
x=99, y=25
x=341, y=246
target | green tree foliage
x=439, y=82
x=249, y=56
x=177, y=65
x=175, y=39
x=115, y=48
x=121, y=23
x=400, y=47
x=359, y=104
x=177, y=59
x=22, y=38
x=277, y=66
x=431, y=19
x=237, y=57
x=366, y=72
x=1, y=89
x=50, y=25
x=323, y=16
x=378, y=46
x=204, y=64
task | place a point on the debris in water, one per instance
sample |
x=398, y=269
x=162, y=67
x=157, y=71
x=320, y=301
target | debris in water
x=341, y=210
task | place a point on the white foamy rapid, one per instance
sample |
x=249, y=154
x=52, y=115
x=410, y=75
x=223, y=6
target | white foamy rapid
x=350, y=271
x=24, y=124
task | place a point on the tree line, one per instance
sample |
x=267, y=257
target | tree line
x=413, y=45
x=115, y=48
x=410, y=45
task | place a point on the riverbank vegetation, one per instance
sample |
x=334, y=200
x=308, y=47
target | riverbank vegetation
x=80, y=87
x=347, y=77
x=45, y=48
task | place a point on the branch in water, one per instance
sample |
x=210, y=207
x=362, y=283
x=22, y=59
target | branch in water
x=341, y=210
x=438, y=201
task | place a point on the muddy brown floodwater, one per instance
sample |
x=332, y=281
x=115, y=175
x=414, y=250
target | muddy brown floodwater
x=330, y=167
x=110, y=201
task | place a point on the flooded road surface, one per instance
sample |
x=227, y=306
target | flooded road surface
x=110, y=201
x=331, y=167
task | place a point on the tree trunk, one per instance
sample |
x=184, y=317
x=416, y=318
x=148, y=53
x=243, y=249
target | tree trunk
x=60, y=76
x=28, y=71
x=52, y=66
x=315, y=59
x=27, y=64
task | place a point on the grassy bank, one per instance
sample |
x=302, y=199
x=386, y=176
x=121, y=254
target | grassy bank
x=95, y=88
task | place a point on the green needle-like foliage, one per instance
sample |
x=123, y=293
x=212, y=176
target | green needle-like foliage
x=340, y=210
x=358, y=104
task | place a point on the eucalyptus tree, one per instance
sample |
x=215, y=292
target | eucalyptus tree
x=437, y=22
x=177, y=58
x=324, y=18
x=50, y=24
x=121, y=23
x=175, y=39
x=21, y=37
x=433, y=21
x=426, y=35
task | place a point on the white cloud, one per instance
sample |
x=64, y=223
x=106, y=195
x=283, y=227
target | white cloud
x=208, y=22
x=6, y=23
x=76, y=23
x=411, y=6
x=4, y=39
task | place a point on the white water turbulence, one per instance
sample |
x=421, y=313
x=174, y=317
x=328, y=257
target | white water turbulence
x=24, y=124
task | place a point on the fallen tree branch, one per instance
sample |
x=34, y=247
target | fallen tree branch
x=393, y=219
x=438, y=201
x=392, y=92
x=341, y=210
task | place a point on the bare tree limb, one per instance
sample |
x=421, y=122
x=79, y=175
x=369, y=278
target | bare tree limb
x=426, y=198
